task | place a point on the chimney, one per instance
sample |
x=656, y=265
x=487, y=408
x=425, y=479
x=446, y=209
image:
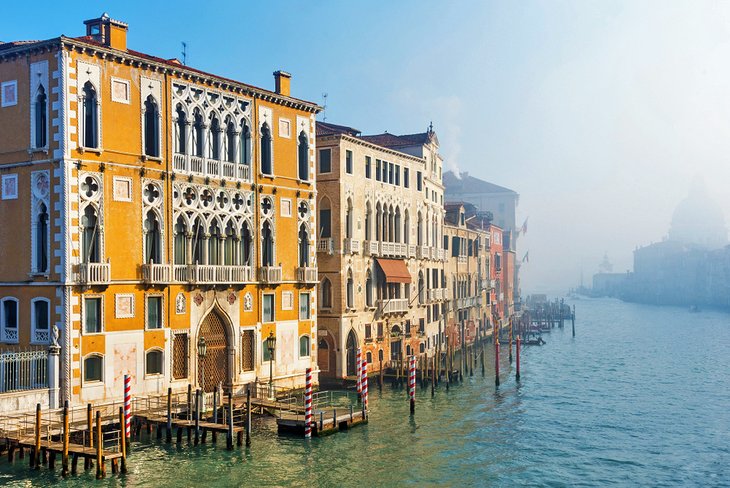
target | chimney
x=283, y=83
x=110, y=32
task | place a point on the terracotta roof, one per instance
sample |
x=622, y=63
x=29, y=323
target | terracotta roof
x=327, y=129
x=8, y=45
x=395, y=270
x=468, y=184
x=391, y=140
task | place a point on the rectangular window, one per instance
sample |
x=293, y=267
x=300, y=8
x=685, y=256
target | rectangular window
x=325, y=223
x=380, y=330
x=446, y=243
x=368, y=175
x=377, y=169
x=154, y=312
x=419, y=181
x=348, y=162
x=325, y=160
x=421, y=326
x=397, y=175
x=368, y=332
x=406, y=175
x=408, y=328
x=391, y=173
x=268, y=311
x=92, y=315
x=247, y=350
x=455, y=246
x=180, y=356
x=304, y=310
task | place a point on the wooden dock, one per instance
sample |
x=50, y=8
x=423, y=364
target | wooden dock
x=326, y=421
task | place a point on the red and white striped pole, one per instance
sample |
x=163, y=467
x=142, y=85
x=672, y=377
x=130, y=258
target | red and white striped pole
x=358, y=373
x=412, y=383
x=496, y=360
x=308, y=405
x=127, y=405
x=365, y=387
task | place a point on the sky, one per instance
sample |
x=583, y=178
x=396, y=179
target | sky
x=599, y=114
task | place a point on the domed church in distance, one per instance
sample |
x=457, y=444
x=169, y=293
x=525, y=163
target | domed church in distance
x=698, y=220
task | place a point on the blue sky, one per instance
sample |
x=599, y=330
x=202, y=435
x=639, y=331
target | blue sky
x=597, y=113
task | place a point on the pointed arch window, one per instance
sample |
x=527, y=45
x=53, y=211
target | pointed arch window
x=377, y=223
x=245, y=136
x=41, y=239
x=246, y=248
x=397, y=226
x=369, y=289
x=303, y=156
x=326, y=293
x=214, y=240
x=41, y=118
x=181, y=131
x=231, y=142
x=151, y=127
x=90, y=252
x=303, y=246
x=421, y=291
x=214, y=149
x=350, y=290
x=419, y=230
x=152, y=239
x=180, y=241
x=229, y=245
x=198, y=134
x=368, y=221
x=406, y=228
x=266, y=156
x=267, y=245
x=325, y=219
x=90, y=116
x=198, y=242
x=348, y=219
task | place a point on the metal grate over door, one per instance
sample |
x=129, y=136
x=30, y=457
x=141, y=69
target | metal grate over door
x=214, y=369
x=180, y=356
x=247, y=350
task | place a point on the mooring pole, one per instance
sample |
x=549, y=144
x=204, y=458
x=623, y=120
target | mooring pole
x=248, y=417
x=412, y=383
x=64, y=458
x=168, y=435
x=496, y=361
x=197, y=416
x=229, y=438
x=36, y=458
x=433, y=376
x=517, y=376
x=99, y=447
x=123, y=440
x=572, y=320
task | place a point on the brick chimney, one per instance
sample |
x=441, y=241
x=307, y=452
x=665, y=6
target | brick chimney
x=283, y=83
x=110, y=32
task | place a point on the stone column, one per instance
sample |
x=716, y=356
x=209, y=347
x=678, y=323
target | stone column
x=54, y=370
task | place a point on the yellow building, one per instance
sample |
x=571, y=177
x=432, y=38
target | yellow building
x=150, y=205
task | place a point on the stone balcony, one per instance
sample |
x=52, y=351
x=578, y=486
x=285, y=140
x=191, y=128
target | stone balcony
x=307, y=275
x=209, y=274
x=436, y=294
x=153, y=274
x=371, y=248
x=351, y=246
x=214, y=168
x=423, y=252
x=326, y=244
x=393, y=249
x=393, y=305
x=270, y=274
x=95, y=273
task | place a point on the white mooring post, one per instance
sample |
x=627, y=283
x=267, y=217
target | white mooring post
x=54, y=362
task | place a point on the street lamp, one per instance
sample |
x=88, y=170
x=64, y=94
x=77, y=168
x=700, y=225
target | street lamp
x=202, y=351
x=271, y=345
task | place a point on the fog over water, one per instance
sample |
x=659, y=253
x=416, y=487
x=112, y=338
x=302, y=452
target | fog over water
x=599, y=114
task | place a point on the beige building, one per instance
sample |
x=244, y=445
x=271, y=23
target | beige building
x=380, y=254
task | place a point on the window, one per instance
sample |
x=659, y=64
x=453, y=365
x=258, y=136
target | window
x=41, y=119
x=214, y=232
x=180, y=356
x=408, y=327
x=90, y=252
x=153, y=362
x=92, y=315
x=268, y=309
x=325, y=160
x=230, y=142
x=380, y=356
x=214, y=143
x=325, y=221
x=326, y=293
x=247, y=350
x=304, y=342
x=267, y=245
x=421, y=326
x=40, y=320
x=9, y=319
x=229, y=244
x=391, y=172
x=303, y=246
x=406, y=178
x=266, y=156
x=380, y=333
x=154, y=312
x=90, y=116
x=41, y=240
x=369, y=290
x=397, y=175
x=152, y=239
x=419, y=181
x=303, y=156
x=368, y=221
x=348, y=162
x=151, y=128
x=198, y=134
x=498, y=261
x=350, y=290
x=246, y=245
x=377, y=169
x=9, y=93
x=180, y=241
x=368, y=174
x=369, y=357
x=245, y=153
x=181, y=131
x=304, y=307
x=93, y=368
x=348, y=219
x=446, y=243
x=368, y=332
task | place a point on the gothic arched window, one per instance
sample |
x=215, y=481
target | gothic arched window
x=90, y=117
x=41, y=122
x=303, y=156
x=151, y=128
x=266, y=159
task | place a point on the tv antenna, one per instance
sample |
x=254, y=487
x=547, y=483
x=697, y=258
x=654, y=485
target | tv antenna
x=324, y=107
x=184, y=52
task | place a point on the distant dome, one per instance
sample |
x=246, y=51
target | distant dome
x=699, y=220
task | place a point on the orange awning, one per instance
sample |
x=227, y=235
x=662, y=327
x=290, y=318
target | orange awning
x=395, y=270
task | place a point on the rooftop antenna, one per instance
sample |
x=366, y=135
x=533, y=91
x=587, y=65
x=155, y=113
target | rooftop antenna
x=184, y=52
x=324, y=107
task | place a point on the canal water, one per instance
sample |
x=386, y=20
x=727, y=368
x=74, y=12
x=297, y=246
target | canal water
x=640, y=397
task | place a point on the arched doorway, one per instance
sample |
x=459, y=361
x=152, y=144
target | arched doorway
x=323, y=355
x=214, y=369
x=351, y=353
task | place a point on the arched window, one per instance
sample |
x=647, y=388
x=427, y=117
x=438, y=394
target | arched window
x=408, y=349
x=421, y=287
x=41, y=239
x=391, y=218
x=396, y=226
x=94, y=368
x=229, y=245
x=267, y=245
x=266, y=166
x=151, y=127
x=90, y=117
x=304, y=347
x=9, y=319
x=369, y=289
x=41, y=122
x=90, y=236
x=198, y=133
x=350, y=290
x=406, y=228
x=246, y=241
x=40, y=320
x=377, y=222
x=181, y=131
x=153, y=362
x=152, y=239
x=325, y=219
x=214, y=147
x=198, y=242
x=180, y=241
x=368, y=221
x=369, y=357
x=380, y=355
x=326, y=293
x=214, y=241
x=231, y=143
x=303, y=156
x=245, y=154
x=303, y=246
x=419, y=230
x=348, y=219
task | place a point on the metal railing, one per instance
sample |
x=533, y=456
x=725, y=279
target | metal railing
x=23, y=370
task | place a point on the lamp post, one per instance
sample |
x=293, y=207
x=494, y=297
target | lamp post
x=202, y=351
x=271, y=346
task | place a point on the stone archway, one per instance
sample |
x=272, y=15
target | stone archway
x=215, y=367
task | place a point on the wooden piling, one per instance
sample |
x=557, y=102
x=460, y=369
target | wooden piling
x=190, y=402
x=122, y=440
x=99, y=447
x=229, y=437
x=36, y=457
x=248, y=417
x=64, y=455
x=168, y=436
x=496, y=362
x=433, y=376
x=517, y=375
x=197, y=416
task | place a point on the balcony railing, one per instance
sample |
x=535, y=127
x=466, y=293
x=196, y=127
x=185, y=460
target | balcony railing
x=424, y=252
x=210, y=273
x=326, y=244
x=440, y=254
x=186, y=163
x=393, y=249
x=351, y=246
x=393, y=305
x=411, y=251
x=156, y=273
x=436, y=294
x=371, y=247
x=461, y=259
x=95, y=273
x=270, y=274
x=307, y=275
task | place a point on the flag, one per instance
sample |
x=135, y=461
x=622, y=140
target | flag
x=526, y=257
x=523, y=229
